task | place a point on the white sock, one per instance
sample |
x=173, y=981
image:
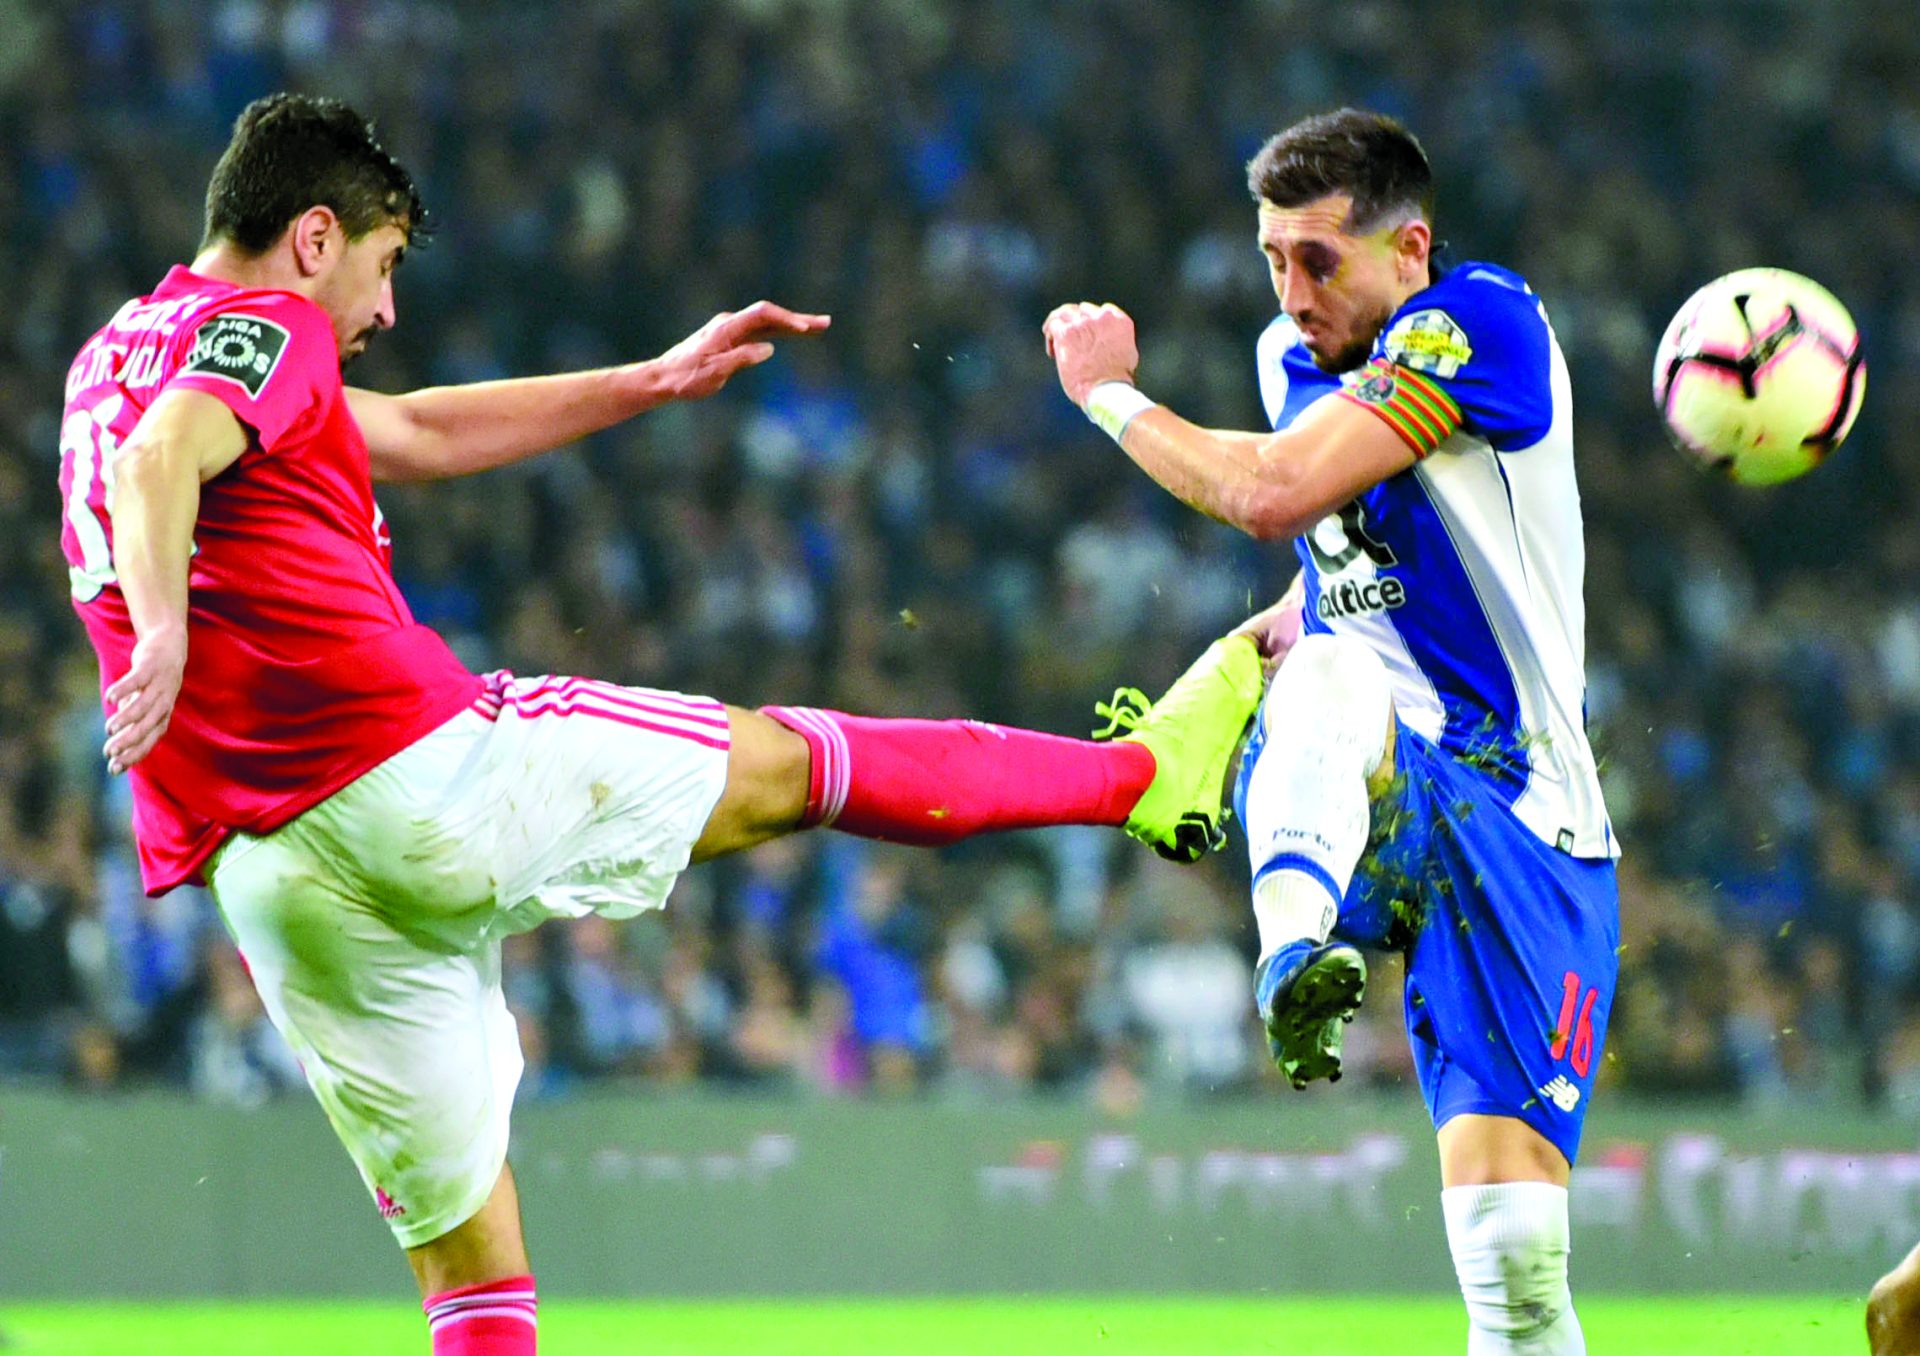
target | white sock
x=1326, y=718
x=1289, y=905
x=1510, y=1245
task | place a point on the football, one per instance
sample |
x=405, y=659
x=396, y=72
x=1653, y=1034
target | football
x=1759, y=375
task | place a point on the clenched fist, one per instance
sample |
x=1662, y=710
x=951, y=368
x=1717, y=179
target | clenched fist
x=1090, y=344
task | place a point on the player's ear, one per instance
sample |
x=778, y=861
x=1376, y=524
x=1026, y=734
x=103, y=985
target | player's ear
x=1412, y=245
x=317, y=237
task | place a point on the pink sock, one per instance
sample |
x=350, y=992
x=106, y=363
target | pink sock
x=495, y=1318
x=929, y=782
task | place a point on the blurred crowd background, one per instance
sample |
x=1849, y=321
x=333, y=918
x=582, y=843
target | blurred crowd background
x=907, y=517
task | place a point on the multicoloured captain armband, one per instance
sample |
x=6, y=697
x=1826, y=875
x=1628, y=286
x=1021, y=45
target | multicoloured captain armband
x=1415, y=407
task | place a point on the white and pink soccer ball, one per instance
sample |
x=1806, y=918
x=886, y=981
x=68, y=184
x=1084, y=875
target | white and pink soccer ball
x=1760, y=375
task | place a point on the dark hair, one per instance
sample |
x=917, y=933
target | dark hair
x=291, y=152
x=1368, y=155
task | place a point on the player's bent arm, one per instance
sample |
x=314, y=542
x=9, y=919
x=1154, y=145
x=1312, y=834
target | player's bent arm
x=1270, y=485
x=185, y=439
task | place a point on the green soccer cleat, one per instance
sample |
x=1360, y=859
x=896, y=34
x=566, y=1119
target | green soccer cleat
x=1192, y=733
x=1306, y=995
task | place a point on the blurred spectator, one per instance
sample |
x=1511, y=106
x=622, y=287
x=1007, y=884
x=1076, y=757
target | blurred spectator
x=619, y=1019
x=1186, y=986
x=873, y=939
x=39, y=993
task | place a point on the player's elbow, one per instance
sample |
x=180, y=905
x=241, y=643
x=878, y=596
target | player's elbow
x=1272, y=512
x=1275, y=504
x=417, y=456
x=411, y=464
x=402, y=438
x=153, y=463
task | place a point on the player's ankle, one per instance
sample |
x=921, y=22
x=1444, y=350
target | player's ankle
x=1293, y=903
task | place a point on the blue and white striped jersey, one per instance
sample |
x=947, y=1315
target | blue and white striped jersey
x=1463, y=573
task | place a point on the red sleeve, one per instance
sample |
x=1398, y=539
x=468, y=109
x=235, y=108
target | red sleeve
x=270, y=359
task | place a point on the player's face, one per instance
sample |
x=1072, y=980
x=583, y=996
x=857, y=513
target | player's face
x=358, y=291
x=1338, y=288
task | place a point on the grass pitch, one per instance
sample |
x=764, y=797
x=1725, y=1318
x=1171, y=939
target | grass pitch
x=1732, y=1325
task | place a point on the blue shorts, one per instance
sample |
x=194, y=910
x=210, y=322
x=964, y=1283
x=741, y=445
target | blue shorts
x=1512, y=945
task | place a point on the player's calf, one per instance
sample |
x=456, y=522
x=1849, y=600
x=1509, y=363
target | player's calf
x=1510, y=1246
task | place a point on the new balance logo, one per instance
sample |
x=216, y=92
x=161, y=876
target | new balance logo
x=392, y=1209
x=1561, y=1093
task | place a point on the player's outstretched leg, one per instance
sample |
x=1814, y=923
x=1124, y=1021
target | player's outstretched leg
x=932, y=782
x=1893, y=1310
x=1323, y=748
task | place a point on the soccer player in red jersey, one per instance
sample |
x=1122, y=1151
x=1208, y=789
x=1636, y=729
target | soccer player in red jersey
x=371, y=817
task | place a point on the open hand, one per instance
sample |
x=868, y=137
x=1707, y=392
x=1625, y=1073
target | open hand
x=1090, y=344
x=141, y=702
x=700, y=364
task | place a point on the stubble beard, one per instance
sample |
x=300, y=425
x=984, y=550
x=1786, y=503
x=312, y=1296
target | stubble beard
x=1357, y=351
x=357, y=346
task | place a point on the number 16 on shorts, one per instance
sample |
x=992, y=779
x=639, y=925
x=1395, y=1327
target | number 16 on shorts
x=1573, y=1035
x=1572, y=1041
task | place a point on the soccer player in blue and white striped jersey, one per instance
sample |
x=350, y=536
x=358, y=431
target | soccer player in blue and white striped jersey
x=1419, y=775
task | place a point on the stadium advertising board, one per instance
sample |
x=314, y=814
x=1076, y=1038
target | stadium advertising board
x=642, y=1195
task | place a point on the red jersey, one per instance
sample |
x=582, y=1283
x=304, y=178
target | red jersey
x=304, y=667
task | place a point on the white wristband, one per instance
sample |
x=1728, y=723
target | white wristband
x=1112, y=405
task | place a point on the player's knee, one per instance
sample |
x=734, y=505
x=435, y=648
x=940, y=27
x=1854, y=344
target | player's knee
x=1509, y=1245
x=1893, y=1316
x=768, y=766
x=1882, y=1310
x=1326, y=671
x=1331, y=691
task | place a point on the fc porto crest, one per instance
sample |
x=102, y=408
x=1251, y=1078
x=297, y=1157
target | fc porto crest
x=1373, y=385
